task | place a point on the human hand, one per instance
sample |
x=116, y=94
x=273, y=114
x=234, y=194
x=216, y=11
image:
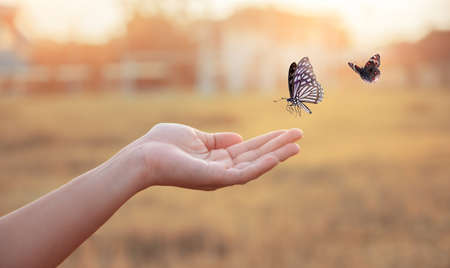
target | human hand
x=169, y=154
x=178, y=155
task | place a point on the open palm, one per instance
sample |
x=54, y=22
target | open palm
x=182, y=156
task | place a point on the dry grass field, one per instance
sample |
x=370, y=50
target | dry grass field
x=370, y=188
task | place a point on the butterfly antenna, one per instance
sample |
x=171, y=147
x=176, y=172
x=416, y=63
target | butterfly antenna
x=280, y=99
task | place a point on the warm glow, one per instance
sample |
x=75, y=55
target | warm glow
x=91, y=21
x=371, y=22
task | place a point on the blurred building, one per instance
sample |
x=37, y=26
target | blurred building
x=155, y=53
x=249, y=50
x=253, y=48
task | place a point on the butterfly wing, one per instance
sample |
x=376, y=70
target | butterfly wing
x=306, y=88
x=355, y=67
x=291, y=76
x=374, y=60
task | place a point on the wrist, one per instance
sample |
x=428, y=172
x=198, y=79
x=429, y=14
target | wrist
x=141, y=167
x=125, y=171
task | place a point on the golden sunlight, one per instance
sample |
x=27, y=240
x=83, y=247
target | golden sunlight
x=82, y=20
x=370, y=23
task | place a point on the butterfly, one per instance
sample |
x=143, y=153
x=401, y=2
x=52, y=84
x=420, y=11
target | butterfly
x=370, y=73
x=303, y=87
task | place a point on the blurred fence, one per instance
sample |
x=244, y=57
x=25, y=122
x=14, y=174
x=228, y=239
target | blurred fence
x=251, y=49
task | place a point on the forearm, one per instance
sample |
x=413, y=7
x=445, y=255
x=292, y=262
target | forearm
x=45, y=232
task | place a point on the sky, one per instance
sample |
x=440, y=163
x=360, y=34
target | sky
x=370, y=22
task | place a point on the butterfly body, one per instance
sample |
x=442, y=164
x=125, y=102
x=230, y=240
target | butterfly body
x=370, y=72
x=303, y=87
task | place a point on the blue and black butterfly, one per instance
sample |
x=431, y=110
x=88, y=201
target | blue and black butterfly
x=303, y=87
x=370, y=73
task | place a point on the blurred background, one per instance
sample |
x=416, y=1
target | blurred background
x=371, y=187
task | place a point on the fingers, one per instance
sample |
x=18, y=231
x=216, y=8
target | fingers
x=251, y=159
x=281, y=154
x=286, y=151
x=253, y=143
x=226, y=139
x=272, y=145
x=219, y=140
x=247, y=171
x=252, y=170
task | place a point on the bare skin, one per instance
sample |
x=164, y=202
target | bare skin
x=46, y=231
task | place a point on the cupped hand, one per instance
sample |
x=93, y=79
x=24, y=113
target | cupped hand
x=178, y=155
